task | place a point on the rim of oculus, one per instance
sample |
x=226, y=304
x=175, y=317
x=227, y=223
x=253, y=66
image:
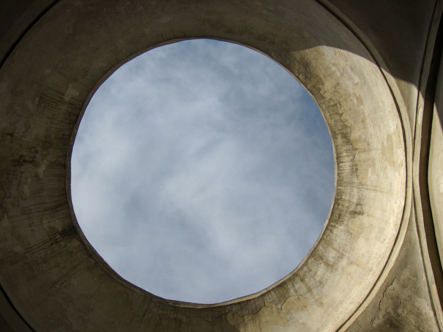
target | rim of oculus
x=202, y=171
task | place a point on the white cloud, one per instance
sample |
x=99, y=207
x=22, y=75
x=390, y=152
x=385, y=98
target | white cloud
x=202, y=171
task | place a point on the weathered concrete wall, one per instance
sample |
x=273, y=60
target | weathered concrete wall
x=373, y=268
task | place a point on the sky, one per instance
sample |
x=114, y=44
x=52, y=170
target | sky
x=202, y=171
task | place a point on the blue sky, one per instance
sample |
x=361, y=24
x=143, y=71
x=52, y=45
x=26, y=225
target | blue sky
x=202, y=171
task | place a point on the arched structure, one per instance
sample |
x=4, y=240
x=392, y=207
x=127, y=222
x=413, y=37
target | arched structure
x=374, y=69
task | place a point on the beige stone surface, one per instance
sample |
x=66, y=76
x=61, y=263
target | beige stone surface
x=376, y=265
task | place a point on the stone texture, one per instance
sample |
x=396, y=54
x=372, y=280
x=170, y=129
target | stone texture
x=376, y=266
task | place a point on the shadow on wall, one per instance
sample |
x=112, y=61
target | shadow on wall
x=46, y=88
x=402, y=45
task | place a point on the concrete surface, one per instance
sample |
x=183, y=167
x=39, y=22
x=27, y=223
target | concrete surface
x=372, y=66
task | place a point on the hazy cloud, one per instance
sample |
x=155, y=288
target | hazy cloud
x=202, y=171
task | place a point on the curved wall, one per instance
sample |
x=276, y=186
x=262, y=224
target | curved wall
x=45, y=84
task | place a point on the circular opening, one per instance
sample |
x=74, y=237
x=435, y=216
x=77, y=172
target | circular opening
x=202, y=171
